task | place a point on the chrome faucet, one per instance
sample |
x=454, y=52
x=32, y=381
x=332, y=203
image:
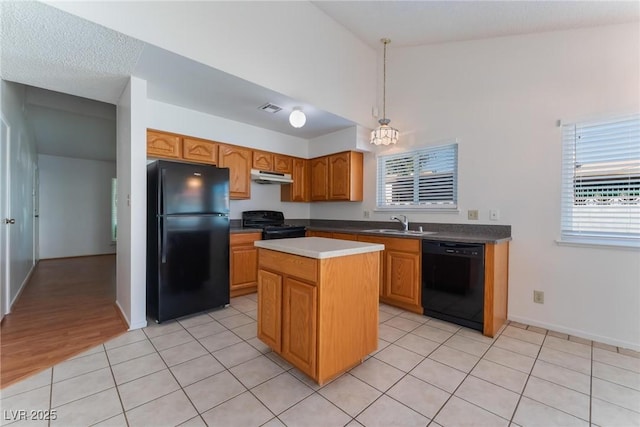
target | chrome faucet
x=404, y=221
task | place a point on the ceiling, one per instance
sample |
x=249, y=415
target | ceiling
x=414, y=23
x=46, y=48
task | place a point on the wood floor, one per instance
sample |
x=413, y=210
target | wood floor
x=67, y=307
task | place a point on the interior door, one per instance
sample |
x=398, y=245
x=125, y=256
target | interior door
x=5, y=186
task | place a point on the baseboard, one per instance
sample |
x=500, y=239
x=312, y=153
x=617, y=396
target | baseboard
x=577, y=333
x=137, y=325
x=22, y=286
x=79, y=256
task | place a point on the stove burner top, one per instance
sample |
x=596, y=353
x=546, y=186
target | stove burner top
x=272, y=224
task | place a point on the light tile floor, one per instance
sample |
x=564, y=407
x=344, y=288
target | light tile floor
x=210, y=369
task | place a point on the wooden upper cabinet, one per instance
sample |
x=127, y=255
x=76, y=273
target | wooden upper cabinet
x=263, y=161
x=239, y=161
x=199, y=150
x=164, y=145
x=299, y=191
x=282, y=164
x=319, y=178
x=345, y=176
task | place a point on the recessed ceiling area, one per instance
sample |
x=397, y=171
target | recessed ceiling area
x=45, y=47
x=414, y=23
x=70, y=126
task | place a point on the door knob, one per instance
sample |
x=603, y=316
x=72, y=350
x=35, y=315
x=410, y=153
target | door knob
x=9, y=221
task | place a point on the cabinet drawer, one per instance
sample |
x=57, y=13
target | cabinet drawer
x=406, y=245
x=292, y=265
x=244, y=238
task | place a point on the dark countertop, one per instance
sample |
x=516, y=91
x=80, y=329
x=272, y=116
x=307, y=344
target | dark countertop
x=466, y=233
x=448, y=236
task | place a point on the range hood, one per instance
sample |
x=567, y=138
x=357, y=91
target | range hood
x=263, y=177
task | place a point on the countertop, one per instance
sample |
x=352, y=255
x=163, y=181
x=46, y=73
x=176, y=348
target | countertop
x=446, y=233
x=446, y=236
x=319, y=247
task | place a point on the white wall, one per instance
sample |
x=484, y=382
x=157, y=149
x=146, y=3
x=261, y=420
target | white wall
x=290, y=47
x=193, y=123
x=502, y=98
x=75, y=206
x=132, y=203
x=23, y=162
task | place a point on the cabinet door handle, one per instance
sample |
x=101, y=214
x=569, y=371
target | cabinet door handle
x=9, y=221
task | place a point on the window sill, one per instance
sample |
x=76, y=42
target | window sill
x=600, y=244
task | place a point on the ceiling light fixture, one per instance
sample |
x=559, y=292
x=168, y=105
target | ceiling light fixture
x=297, y=118
x=384, y=134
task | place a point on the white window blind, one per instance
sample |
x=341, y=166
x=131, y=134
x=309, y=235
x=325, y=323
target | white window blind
x=420, y=179
x=601, y=181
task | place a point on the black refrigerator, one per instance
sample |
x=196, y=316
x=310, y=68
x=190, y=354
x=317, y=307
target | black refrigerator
x=187, y=239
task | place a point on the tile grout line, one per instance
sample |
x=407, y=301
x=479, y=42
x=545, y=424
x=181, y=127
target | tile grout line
x=51, y=398
x=115, y=383
x=384, y=393
x=173, y=376
x=524, y=386
x=452, y=394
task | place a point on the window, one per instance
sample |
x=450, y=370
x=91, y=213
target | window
x=422, y=179
x=601, y=182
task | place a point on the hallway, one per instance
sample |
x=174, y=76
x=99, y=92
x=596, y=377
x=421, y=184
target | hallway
x=67, y=307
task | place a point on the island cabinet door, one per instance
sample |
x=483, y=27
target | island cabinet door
x=402, y=281
x=270, y=309
x=299, y=325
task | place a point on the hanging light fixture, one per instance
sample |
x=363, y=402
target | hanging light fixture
x=384, y=134
x=297, y=119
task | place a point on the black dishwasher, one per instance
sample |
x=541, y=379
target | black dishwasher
x=453, y=282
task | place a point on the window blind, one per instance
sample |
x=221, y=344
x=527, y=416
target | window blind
x=420, y=179
x=601, y=181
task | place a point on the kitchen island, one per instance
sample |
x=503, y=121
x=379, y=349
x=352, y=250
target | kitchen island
x=318, y=302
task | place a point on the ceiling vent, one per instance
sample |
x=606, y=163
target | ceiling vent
x=270, y=108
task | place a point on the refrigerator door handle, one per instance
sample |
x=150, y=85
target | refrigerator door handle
x=163, y=173
x=163, y=241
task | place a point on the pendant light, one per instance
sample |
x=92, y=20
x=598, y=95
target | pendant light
x=384, y=134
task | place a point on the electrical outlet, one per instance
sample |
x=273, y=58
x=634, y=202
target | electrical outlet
x=494, y=214
x=472, y=214
x=366, y=214
x=538, y=297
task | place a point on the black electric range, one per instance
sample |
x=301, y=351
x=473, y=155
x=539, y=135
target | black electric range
x=272, y=224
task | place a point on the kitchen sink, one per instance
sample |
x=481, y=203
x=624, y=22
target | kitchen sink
x=400, y=232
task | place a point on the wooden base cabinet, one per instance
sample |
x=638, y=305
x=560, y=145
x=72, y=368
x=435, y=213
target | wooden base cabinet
x=496, y=284
x=243, y=268
x=321, y=315
x=402, y=261
x=299, y=311
x=270, y=309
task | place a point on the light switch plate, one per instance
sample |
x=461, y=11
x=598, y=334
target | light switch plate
x=494, y=214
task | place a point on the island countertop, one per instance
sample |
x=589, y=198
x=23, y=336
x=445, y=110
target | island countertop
x=318, y=247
